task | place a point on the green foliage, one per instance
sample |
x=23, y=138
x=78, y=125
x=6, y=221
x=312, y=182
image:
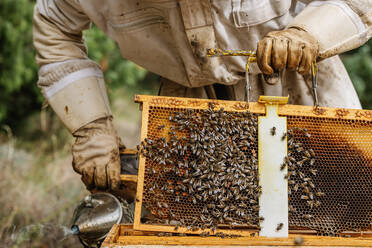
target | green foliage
x=359, y=66
x=19, y=95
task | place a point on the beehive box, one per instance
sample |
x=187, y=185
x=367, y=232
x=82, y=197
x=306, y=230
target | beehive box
x=126, y=236
x=340, y=168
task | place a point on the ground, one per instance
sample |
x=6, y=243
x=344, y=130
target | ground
x=38, y=187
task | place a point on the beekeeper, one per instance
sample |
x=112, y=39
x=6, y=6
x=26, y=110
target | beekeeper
x=170, y=38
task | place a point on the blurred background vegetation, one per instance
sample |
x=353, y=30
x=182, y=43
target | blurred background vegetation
x=38, y=188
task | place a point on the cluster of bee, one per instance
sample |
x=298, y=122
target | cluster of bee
x=211, y=166
x=300, y=163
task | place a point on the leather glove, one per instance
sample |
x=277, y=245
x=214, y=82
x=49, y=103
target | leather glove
x=96, y=155
x=292, y=48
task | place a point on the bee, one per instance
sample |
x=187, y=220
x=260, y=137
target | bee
x=233, y=208
x=304, y=197
x=312, y=161
x=306, y=190
x=255, y=207
x=300, y=163
x=204, y=234
x=279, y=227
x=304, y=184
x=244, y=198
x=284, y=136
x=310, y=203
x=306, y=133
x=228, y=219
x=273, y=131
x=312, y=153
x=311, y=195
x=160, y=213
x=291, y=182
x=282, y=167
x=295, y=188
x=300, y=149
x=319, y=193
x=313, y=171
x=291, y=208
x=211, y=206
x=307, y=216
x=298, y=240
x=161, y=127
x=287, y=159
x=205, y=210
x=194, y=228
x=317, y=204
x=252, y=201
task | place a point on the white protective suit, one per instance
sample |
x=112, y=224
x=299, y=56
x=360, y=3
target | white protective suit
x=170, y=38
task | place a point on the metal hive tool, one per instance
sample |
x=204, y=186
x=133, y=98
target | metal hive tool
x=329, y=170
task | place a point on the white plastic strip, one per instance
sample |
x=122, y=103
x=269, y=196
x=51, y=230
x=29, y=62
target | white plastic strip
x=347, y=10
x=70, y=78
x=271, y=152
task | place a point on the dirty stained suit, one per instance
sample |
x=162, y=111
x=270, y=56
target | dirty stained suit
x=170, y=37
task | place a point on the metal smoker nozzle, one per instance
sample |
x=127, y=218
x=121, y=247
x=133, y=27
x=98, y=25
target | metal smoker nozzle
x=94, y=217
x=75, y=230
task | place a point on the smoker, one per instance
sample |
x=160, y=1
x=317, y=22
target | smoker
x=94, y=216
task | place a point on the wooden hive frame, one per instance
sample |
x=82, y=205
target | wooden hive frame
x=174, y=102
x=125, y=235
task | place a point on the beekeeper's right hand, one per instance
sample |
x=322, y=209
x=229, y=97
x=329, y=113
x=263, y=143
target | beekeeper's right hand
x=96, y=155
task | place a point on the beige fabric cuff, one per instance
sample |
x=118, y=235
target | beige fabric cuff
x=81, y=102
x=51, y=73
x=334, y=24
x=76, y=92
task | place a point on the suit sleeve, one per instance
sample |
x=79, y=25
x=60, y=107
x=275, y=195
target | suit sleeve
x=71, y=83
x=339, y=26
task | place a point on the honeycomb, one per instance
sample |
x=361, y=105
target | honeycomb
x=343, y=160
x=341, y=170
x=168, y=192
